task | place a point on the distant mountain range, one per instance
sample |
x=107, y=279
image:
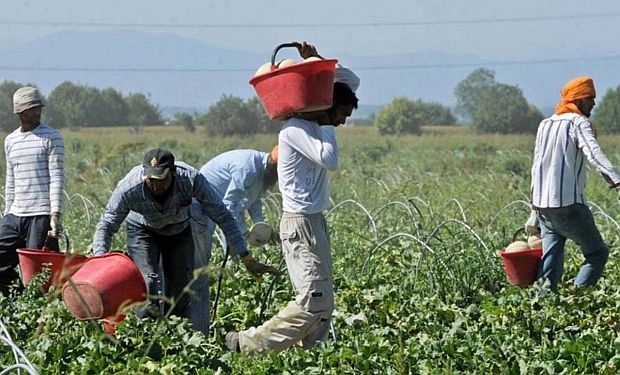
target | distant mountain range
x=189, y=75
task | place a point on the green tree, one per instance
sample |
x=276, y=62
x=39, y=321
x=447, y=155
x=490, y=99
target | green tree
x=114, y=111
x=185, y=119
x=502, y=108
x=74, y=106
x=263, y=123
x=607, y=114
x=469, y=90
x=141, y=111
x=8, y=120
x=230, y=116
x=436, y=114
x=400, y=116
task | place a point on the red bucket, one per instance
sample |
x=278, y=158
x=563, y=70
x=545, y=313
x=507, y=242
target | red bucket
x=302, y=87
x=521, y=267
x=109, y=325
x=62, y=265
x=103, y=287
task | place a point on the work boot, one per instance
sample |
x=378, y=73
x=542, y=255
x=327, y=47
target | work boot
x=232, y=341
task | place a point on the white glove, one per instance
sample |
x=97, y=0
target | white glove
x=55, y=225
x=531, y=225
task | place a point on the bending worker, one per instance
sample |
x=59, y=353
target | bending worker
x=155, y=198
x=239, y=178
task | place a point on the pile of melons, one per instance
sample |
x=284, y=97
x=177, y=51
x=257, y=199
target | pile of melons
x=267, y=67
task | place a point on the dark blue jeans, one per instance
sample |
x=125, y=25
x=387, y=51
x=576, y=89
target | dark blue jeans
x=174, y=255
x=20, y=232
x=576, y=223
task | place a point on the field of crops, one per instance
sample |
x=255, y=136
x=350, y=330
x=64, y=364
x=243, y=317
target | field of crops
x=416, y=224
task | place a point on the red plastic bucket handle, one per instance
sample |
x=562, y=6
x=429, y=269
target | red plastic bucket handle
x=47, y=239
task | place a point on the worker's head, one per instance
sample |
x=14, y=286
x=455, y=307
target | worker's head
x=28, y=105
x=271, y=170
x=158, y=170
x=344, y=102
x=577, y=97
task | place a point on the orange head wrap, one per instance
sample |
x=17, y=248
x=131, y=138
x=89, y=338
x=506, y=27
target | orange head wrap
x=578, y=88
x=274, y=154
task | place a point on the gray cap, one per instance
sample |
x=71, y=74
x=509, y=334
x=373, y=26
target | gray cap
x=26, y=98
x=346, y=76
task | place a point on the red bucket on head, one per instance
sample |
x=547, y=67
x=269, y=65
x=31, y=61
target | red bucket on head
x=521, y=267
x=61, y=265
x=303, y=87
x=103, y=287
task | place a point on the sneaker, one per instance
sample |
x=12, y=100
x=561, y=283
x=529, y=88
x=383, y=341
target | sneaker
x=232, y=341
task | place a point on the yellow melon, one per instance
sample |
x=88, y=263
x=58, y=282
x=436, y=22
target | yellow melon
x=517, y=246
x=284, y=63
x=534, y=242
x=265, y=68
x=313, y=58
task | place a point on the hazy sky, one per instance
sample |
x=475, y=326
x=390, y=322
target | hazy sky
x=525, y=29
x=538, y=32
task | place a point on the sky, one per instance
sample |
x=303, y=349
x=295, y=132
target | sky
x=525, y=30
x=495, y=28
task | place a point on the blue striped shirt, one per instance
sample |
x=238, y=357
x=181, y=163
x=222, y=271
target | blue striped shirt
x=34, y=171
x=563, y=144
x=132, y=201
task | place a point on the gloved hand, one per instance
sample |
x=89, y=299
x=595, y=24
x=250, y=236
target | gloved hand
x=531, y=226
x=55, y=225
x=257, y=268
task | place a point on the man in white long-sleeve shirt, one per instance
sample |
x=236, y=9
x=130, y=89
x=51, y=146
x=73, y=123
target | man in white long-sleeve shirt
x=563, y=142
x=307, y=151
x=34, y=184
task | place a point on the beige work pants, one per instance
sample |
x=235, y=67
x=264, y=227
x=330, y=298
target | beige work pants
x=305, y=321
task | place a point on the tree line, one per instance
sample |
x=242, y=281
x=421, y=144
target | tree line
x=74, y=106
x=486, y=105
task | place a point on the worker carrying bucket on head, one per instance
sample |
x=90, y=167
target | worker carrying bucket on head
x=307, y=150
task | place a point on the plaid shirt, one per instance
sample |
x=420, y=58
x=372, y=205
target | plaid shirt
x=132, y=200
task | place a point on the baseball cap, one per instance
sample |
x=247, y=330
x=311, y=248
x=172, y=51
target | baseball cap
x=157, y=164
x=25, y=98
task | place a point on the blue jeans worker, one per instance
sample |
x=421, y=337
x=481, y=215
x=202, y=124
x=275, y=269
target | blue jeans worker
x=155, y=199
x=564, y=142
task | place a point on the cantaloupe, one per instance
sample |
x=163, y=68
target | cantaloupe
x=284, y=63
x=517, y=246
x=313, y=58
x=534, y=242
x=265, y=68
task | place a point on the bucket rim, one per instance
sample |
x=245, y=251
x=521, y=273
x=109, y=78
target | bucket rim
x=503, y=253
x=292, y=69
